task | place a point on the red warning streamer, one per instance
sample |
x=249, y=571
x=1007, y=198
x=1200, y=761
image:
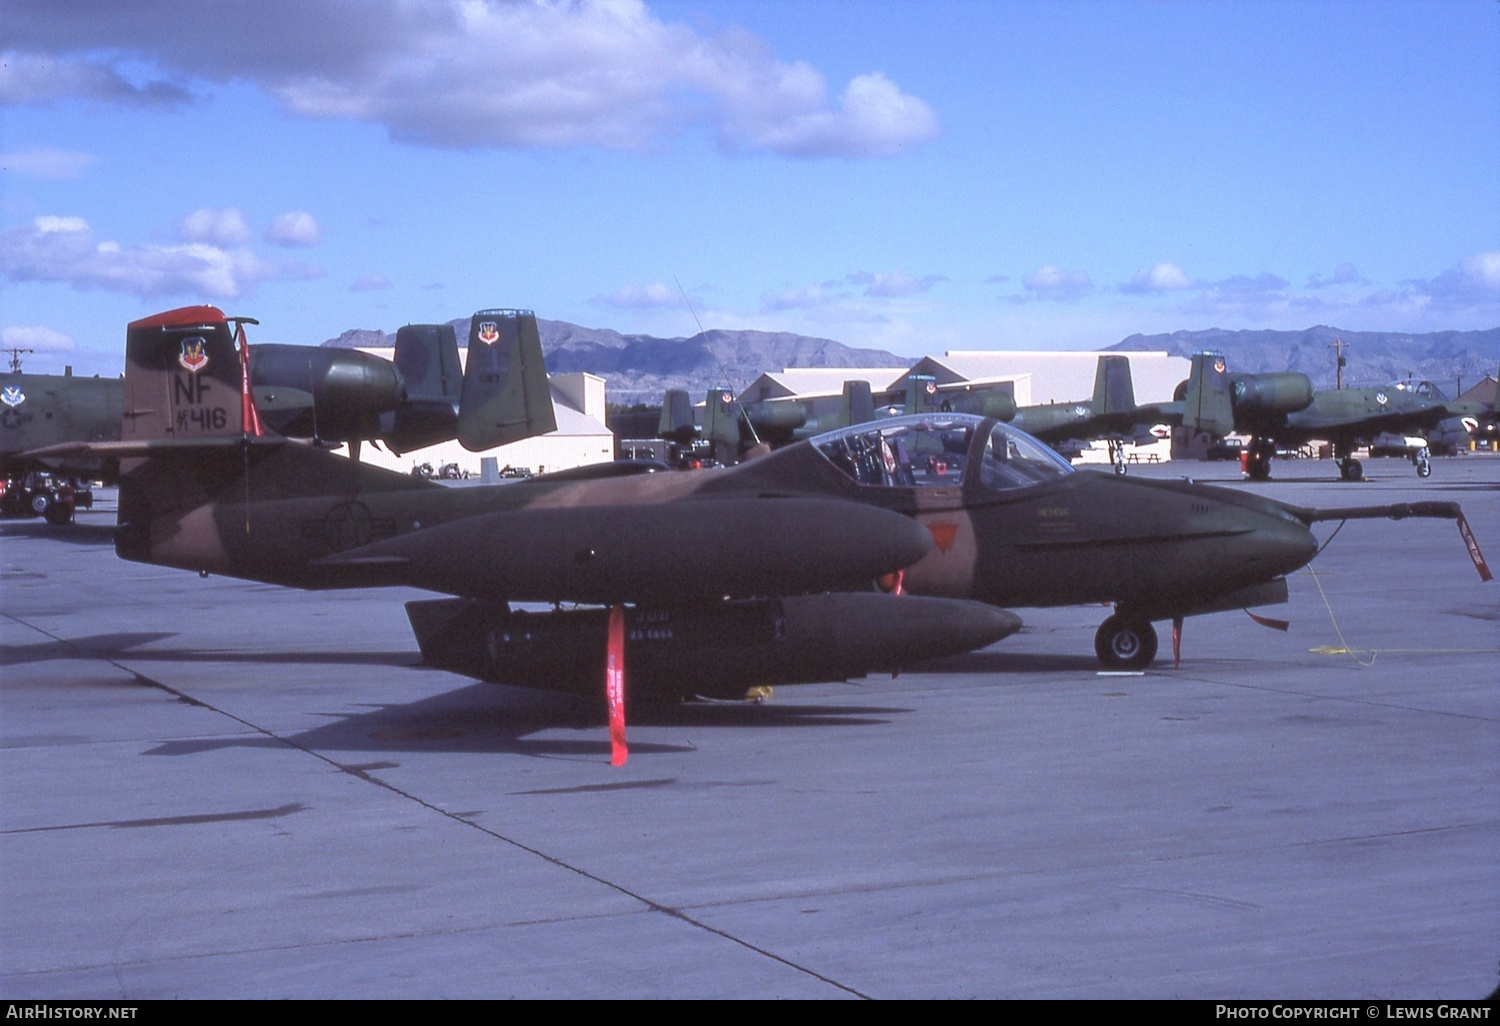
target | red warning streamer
x=1474, y=553
x=1269, y=621
x=614, y=686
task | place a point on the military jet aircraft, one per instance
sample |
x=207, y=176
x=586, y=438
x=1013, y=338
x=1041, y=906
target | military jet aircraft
x=37, y=410
x=1112, y=414
x=330, y=396
x=730, y=429
x=860, y=550
x=1283, y=410
x=767, y=588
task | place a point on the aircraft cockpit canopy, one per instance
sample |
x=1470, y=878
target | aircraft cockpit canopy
x=1425, y=389
x=937, y=451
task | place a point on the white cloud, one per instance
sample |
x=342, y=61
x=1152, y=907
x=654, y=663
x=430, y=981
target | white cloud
x=469, y=73
x=1483, y=269
x=1474, y=283
x=873, y=118
x=47, y=162
x=218, y=227
x=295, y=228
x=1158, y=278
x=36, y=338
x=642, y=297
x=1344, y=274
x=894, y=284
x=370, y=283
x=1052, y=282
x=64, y=250
x=807, y=298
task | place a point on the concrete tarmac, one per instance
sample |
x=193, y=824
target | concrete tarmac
x=210, y=788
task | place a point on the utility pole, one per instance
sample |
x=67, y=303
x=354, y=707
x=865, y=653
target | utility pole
x=15, y=358
x=1338, y=345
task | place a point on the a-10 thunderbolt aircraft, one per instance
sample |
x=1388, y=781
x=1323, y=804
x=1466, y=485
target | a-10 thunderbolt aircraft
x=1281, y=409
x=330, y=396
x=733, y=427
x=861, y=550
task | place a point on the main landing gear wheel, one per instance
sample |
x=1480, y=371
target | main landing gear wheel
x=1258, y=466
x=1123, y=644
x=1352, y=470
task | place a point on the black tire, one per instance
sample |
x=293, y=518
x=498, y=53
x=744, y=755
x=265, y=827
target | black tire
x=59, y=514
x=1259, y=468
x=1123, y=644
x=1352, y=470
x=41, y=504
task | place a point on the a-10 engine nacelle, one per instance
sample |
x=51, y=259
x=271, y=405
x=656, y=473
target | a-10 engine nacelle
x=333, y=395
x=1285, y=392
x=986, y=402
x=713, y=649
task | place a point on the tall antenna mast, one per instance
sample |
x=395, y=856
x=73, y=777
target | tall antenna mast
x=722, y=369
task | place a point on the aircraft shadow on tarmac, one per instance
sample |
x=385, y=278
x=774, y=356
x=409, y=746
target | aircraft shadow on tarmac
x=495, y=719
x=76, y=534
x=127, y=646
x=993, y=661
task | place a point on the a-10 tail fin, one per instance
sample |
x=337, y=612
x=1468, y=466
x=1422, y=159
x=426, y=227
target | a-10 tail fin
x=676, y=422
x=505, y=394
x=1114, y=393
x=184, y=378
x=427, y=357
x=1207, y=401
x=721, y=420
x=857, y=405
x=921, y=394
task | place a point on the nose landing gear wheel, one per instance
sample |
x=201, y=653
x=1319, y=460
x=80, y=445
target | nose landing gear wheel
x=1423, y=460
x=1123, y=644
x=1352, y=470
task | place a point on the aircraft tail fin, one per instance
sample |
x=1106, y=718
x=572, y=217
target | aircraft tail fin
x=194, y=460
x=505, y=395
x=1113, y=389
x=921, y=394
x=1207, y=403
x=427, y=358
x=185, y=379
x=857, y=405
x=677, y=417
x=721, y=419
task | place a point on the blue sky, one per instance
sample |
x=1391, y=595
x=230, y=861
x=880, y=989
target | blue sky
x=910, y=176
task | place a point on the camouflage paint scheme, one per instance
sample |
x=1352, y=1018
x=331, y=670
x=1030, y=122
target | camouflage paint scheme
x=1283, y=410
x=963, y=514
